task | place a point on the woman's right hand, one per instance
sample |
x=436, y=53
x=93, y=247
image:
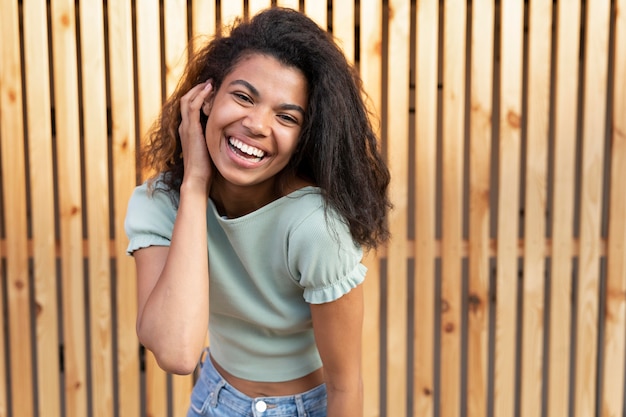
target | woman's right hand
x=197, y=162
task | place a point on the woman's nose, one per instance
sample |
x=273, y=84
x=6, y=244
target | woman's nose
x=258, y=121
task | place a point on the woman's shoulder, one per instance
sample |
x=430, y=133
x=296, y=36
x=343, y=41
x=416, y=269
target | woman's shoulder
x=150, y=197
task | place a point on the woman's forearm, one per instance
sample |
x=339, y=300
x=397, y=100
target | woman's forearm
x=174, y=319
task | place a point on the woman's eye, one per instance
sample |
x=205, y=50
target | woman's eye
x=288, y=118
x=242, y=97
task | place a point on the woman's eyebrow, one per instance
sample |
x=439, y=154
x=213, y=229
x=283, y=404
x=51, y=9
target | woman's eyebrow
x=255, y=92
x=246, y=84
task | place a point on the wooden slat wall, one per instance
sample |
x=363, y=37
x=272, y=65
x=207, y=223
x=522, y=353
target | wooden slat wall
x=503, y=290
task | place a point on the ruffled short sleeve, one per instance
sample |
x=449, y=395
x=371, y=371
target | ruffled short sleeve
x=324, y=258
x=149, y=219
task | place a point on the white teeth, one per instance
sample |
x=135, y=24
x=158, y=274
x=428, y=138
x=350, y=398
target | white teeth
x=250, y=150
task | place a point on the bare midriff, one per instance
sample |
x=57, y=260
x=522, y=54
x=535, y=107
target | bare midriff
x=272, y=389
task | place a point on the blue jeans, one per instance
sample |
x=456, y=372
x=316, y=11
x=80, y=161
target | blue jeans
x=212, y=396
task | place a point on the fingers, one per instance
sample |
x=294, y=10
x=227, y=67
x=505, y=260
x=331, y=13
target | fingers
x=192, y=102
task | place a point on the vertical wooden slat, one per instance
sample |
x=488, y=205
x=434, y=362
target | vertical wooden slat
x=175, y=21
x=203, y=21
x=37, y=84
x=124, y=175
x=70, y=204
x=231, y=10
x=318, y=11
x=535, y=194
x=452, y=203
x=292, y=4
x=175, y=33
x=371, y=73
x=397, y=154
x=255, y=6
x=613, y=380
x=512, y=20
x=481, y=117
x=156, y=387
x=14, y=188
x=97, y=205
x=343, y=26
x=149, y=100
x=4, y=411
x=565, y=102
x=371, y=337
x=426, y=86
x=592, y=169
x=149, y=74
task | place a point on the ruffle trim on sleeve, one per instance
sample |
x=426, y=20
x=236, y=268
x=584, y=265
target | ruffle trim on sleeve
x=336, y=289
x=144, y=241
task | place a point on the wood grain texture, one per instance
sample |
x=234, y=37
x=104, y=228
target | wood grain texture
x=535, y=208
x=124, y=177
x=480, y=144
x=426, y=82
x=453, y=135
x=612, y=401
x=509, y=153
x=13, y=160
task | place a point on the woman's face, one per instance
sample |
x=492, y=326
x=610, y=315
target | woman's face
x=255, y=119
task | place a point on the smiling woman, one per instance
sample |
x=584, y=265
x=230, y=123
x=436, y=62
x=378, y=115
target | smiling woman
x=252, y=198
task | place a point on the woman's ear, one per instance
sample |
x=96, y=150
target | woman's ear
x=207, y=105
x=208, y=100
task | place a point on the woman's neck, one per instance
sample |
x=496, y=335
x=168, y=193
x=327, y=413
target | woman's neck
x=235, y=201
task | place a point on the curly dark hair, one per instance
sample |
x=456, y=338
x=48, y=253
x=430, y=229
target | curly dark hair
x=337, y=150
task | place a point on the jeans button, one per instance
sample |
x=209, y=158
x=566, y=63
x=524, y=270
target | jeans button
x=260, y=406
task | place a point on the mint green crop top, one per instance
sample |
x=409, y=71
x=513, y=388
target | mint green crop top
x=265, y=269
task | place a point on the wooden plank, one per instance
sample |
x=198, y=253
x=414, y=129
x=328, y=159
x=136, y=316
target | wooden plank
x=426, y=91
x=481, y=122
x=343, y=27
x=123, y=146
x=512, y=19
x=97, y=205
x=156, y=387
x=371, y=337
x=535, y=197
x=453, y=134
x=4, y=407
x=175, y=61
x=292, y=4
x=397, y=155
x=371, y=74
x=231, y=10
x=318, y=11
x=181, y=394
x=565, y=106
x=37, y=93
x=255, y=6
x=175, y=40
x=613, y=380
x=18, y=288
x=149, y=76
x=592, y=170
x=203, y=21
x=70, y=204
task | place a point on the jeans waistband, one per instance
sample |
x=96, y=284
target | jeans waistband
x=220, y=391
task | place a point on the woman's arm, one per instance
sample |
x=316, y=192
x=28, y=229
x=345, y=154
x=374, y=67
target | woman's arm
x=338, y=334
x=173, y=282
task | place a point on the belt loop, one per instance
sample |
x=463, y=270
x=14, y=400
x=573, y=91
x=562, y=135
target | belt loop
x=216, y=392
x=300, y=406
x=203, y=356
